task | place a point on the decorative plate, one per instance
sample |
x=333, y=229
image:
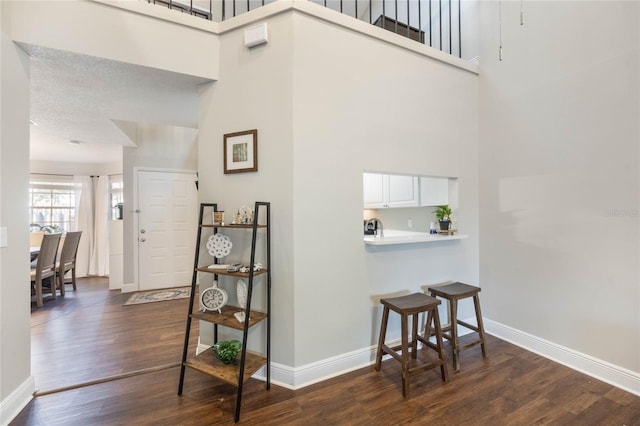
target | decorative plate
x=242, y=294
x=219, y=245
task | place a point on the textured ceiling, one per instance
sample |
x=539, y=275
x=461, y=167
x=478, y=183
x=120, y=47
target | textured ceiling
x=78, y=97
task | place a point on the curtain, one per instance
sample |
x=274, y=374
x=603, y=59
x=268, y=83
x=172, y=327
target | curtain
x=92, y=218
x=84, y=223
x=99, y=264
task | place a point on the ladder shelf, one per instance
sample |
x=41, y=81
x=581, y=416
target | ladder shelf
x=247, y=363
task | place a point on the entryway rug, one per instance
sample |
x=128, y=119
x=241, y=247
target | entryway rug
x=158, y=295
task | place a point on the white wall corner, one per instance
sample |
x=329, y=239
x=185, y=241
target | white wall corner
x=594, y=367
x=315, y=372
x=129, y=288
x=11, y=406
x=299, y=377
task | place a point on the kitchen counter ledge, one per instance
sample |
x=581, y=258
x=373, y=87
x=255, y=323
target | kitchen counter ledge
x=393, y=236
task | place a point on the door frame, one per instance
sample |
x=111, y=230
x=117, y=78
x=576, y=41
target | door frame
x=135, y=286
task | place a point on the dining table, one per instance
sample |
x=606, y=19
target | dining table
x=34, y=251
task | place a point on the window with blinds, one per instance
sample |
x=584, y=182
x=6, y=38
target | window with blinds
x=52, y=202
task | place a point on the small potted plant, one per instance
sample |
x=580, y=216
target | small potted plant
x=227, y=351
x=443, y=214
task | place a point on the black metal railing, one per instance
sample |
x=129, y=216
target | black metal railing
x=202, y=9
x=436, y=23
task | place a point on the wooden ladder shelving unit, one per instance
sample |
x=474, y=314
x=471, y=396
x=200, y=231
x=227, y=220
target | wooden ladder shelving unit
x=239, y=372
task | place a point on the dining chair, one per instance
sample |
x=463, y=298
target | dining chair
x=67, y=261
x=45, y=267
x=35, y=240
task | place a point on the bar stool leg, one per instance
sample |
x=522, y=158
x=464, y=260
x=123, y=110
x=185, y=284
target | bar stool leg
x=414, y=339
x=476, y=302
x=405, y=355
x=454, y=334
x=427, y=327
x=440, y=347
x=383, y=333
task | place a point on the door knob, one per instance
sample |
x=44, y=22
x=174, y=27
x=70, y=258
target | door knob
x=142, y=231
x=142, y=240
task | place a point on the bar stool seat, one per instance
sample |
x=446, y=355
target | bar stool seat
x=452, y=293
x=412, y=304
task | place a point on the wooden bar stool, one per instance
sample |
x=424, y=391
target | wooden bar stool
x=412, y=304
x=452, y=293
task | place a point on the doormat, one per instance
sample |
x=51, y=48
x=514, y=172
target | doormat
x=158, y=295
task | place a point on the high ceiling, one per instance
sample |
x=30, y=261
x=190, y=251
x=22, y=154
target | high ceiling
x=81, y=98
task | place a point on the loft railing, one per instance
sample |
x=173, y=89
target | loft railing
x=202, y=9
x=436, y=23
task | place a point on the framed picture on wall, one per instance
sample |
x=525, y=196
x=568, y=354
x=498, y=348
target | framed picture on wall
x=241, y=152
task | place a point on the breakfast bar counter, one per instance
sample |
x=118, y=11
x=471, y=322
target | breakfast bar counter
x=392, y=236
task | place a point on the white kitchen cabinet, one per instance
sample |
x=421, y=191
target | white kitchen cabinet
x=374, y=194
x=390, y=191
x=434, y=191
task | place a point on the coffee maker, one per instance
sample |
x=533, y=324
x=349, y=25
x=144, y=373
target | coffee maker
x=371, y=226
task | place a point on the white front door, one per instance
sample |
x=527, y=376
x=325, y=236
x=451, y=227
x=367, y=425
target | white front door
x=167, y=227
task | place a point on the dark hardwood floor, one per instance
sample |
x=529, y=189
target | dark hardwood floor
x=89, y=335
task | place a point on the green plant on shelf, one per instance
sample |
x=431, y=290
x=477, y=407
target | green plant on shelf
x=443, y=213
x=227, y=350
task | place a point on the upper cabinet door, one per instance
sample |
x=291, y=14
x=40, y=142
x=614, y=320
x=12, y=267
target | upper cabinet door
x=434, y=191
x=374, y=192
x=387, y=191
x=403, y=191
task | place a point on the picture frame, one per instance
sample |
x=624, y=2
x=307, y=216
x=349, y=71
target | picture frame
x=241, y=152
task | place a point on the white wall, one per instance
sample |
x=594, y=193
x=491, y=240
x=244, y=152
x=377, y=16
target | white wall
x=559, y=175
x=255, y=92
x=378, y=108
x=16, y=383
x=138, y=33
x=80, y=169
x=314, y=142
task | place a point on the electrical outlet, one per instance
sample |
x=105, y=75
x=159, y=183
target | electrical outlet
x=410, y=223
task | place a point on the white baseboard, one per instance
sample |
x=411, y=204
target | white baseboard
x=318, y=371
x=129, y=288
x=315, y=372
x=299, y=377
x=602, y=370
x=11, y=406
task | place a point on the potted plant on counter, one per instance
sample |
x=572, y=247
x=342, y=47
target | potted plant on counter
x=443, y=214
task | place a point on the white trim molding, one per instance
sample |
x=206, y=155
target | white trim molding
x=315, y=372
x=602, y=370
x=129, y=288
x=11, y=406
